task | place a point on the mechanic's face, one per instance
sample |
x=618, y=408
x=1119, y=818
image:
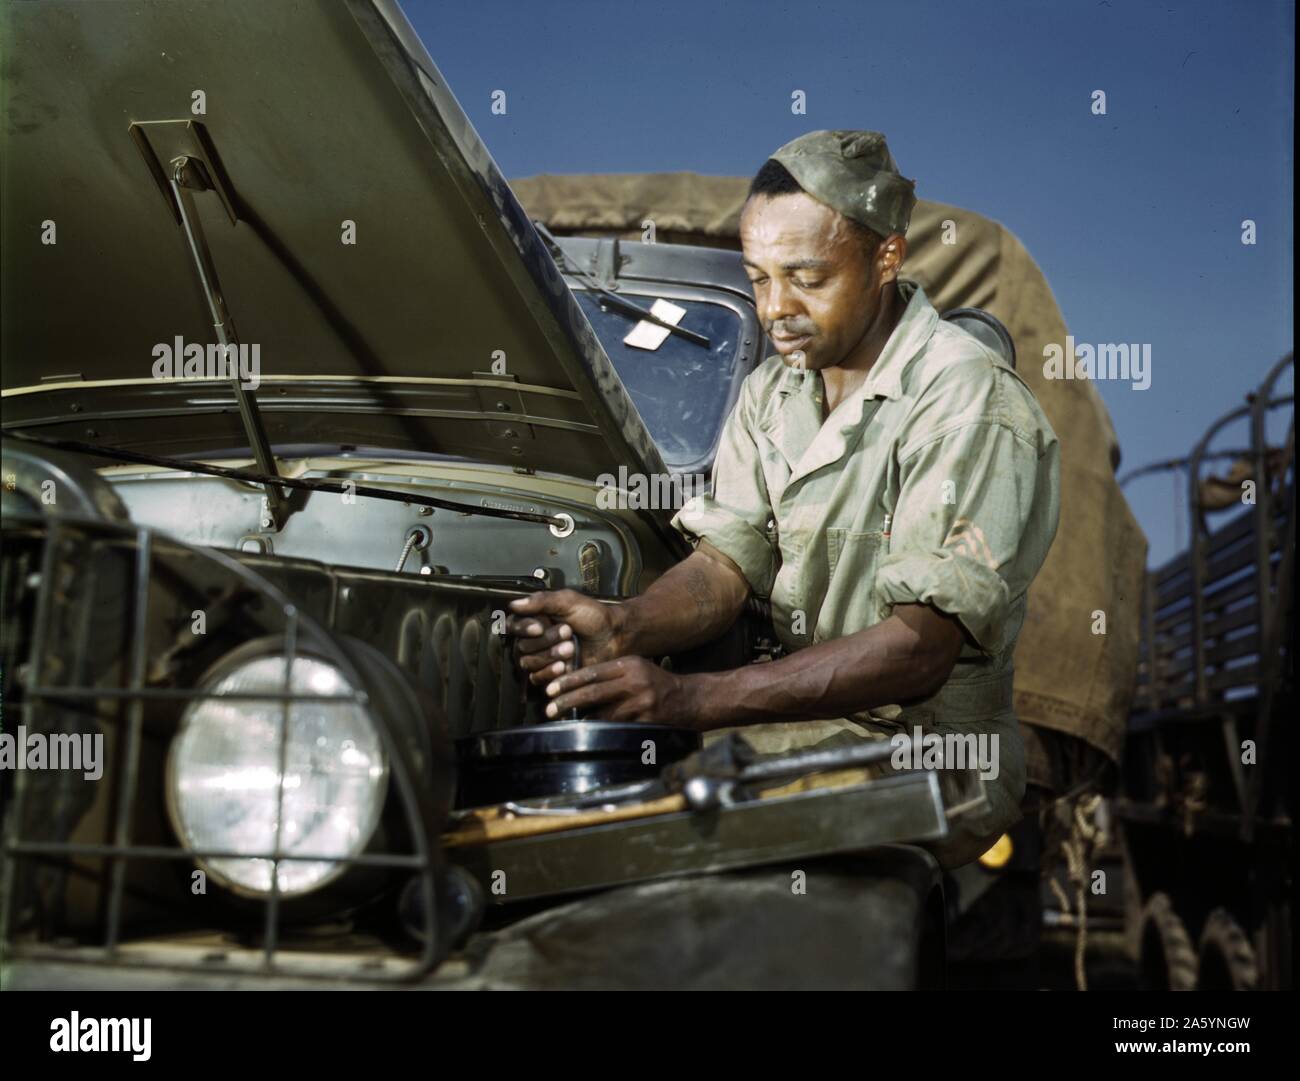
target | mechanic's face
x=817, y=287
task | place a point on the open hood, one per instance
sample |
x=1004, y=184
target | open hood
x=443, y=326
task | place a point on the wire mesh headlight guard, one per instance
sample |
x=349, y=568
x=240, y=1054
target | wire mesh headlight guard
x=96, y=659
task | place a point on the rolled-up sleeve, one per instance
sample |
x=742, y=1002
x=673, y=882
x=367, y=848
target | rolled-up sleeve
x=733, y=517
x=975, y=516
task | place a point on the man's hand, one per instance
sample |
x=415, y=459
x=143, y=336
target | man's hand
x=544, y=625
x=690, y=604
x=626, y=689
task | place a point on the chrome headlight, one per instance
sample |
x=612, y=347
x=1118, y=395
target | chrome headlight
x=224, y=776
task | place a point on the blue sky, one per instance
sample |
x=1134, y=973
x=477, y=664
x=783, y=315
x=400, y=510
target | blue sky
x=1135, y=216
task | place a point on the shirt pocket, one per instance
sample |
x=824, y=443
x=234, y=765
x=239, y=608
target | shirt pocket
x=851, y=604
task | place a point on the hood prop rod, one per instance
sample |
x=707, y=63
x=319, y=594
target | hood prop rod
x=188, y=175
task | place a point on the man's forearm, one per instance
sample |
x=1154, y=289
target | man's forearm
x=907, y=656
x=693, y=603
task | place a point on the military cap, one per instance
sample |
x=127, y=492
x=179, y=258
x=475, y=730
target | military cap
x=852, y=172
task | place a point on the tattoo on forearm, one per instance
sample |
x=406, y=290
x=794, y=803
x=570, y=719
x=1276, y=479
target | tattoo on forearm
x=697, y=585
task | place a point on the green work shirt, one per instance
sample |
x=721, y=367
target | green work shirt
x=936, y=482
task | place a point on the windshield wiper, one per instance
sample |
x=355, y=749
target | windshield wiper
x=611, y=298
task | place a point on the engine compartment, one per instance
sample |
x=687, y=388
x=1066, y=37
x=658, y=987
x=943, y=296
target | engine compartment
x=600, y=554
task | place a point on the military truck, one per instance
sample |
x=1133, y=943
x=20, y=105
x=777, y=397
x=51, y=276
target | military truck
x=296, y=399
x=1205, y=808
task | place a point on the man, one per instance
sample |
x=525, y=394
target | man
x=884, y=480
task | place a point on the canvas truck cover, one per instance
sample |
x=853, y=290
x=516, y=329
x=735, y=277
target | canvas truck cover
x=1068, y=678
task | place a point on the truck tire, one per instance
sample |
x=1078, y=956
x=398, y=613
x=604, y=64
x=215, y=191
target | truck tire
x=1166, y=959
x=1227, y=959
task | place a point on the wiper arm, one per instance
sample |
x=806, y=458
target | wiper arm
x=630, y=308
x=624, y=305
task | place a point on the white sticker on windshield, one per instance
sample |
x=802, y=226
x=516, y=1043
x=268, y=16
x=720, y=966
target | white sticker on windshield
x=647, y=335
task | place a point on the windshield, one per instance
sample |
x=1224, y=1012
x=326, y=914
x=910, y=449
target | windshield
x=681, y=388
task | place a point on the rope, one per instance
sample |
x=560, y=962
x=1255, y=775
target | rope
x=1085, y=837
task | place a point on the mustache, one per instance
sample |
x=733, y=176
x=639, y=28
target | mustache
x=792, y=328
